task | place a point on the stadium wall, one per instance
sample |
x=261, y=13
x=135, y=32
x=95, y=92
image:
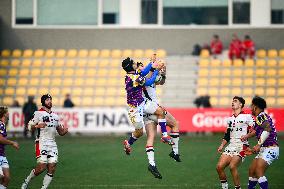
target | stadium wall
x=177, y=41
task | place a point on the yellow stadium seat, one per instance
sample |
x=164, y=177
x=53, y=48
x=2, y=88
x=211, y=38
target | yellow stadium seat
x=7, y=101
x=91, y=81
x=260, y=72
x=111, y=91
x=100, y=91
x=281, y=63
x=148, y=53
x=43, y=90
x=116, y=53
x=60, y=53
x=271, y=63
x=11, y=81
x=115, y=63
x=259, y=82
x=271, y=82
x=56, y=82
x=227, y=63
x=237, y=63
x=55, y=101
x=94, y=53
x=113, y=73
x=270, y=91
x=271, y=101
x=127, y=53
x=38, y=53
x=215, y=63
x=50, y=53
x=280, y=102
x=37, y=62
x=46, y=72
x=281, y=53
x=17, y=53
x=71, y=53
x=272, y=53
x=225, y=82
x=248, y=82
x=55, y=91
x=249, y=62
x=271, y=72
x=203, y=62
x=213, y=91
x=203, y=72
x=224, y=101
x=79, y=72
x=4, y=63
x=77, y=91
x=138, y=53
x=236, y=90
x=226, y=72
x=224, y=91
x=281, y=81
x=87, y=101
x=120, y=101
x=202, y=82
x=68, y=72
x=2, y=81
x=45, y=81
x=205, y=53
x=70, y=63
x=82, y=63
x=201, y=91
x=248, y=72
x=35, y=72
x=237, y=72
x=281, y=72
x=28, y=53
x=280, y=91
x=59, y=63
x=104, y=63
x=214, y=82
x=105, y=53
x=261, y=53
x=67, y=82
x=34, y=82
x=48, y=63
x=27, y=62
x=15, y=62
x=83, y=53
x=76, y=101
x=9, y=91
x=99, y=101
x=92, y=63
x=214, y=72
x=102, y=72
x=79, y=82
x=13, y=72
x=247, y=91
x=237, y=82
x=91, y=72
x=6, y=53
x=88, y=91
x=161, y=53
x=259, y=91
x=24, y=72
x=214, y=101
x=260, y=62
x=3, y=72
x=20, y=99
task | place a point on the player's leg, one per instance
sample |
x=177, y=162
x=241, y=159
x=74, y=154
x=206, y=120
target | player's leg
x=52, y=159
x=5, y=178
x=151, y=129
x=234, y=164
x=174, y=125
x=253, y=180
x=261, y=166
x=223, y=162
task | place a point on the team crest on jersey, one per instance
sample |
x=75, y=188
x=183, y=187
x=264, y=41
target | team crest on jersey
x=45, y=119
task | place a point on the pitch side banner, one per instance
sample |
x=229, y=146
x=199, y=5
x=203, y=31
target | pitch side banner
x=115, y=120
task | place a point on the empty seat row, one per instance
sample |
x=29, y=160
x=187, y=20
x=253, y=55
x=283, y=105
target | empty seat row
x=241, y=63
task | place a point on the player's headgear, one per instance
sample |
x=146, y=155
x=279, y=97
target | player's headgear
x=44, y=97
x=241, y=99
x=127, y=64
x=259, y=102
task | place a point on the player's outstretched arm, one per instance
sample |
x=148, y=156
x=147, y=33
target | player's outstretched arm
x=9, y=142
x=251, y=133
x=62, y=130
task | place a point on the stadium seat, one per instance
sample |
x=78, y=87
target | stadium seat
x=203, y=62
x=17, y=53
x=70, y=63
x=56, y=82
x=24, y=72
x=249, y=62
x=281, y=53
x=94, y=53
x=2, y=82
x=79, y=82
x=68, y=72
x=104, y=63
x=38, y=53
x=66, y=90
x=205, y=53
x=280, y=91
x=116, y=53
x=37, y=62
x=280, y=102
x=20, y=99
x=44, y=81
x=3, y=72
x=260, y=62
x=91, y=72
x=81, y=63
x=203, y=72
x=102, y=72
x=88, y=91
x=261, y=53
x=35, y=72
x=28, y=53
x=272, y=53
x=9, y=91
x=67, y=82
x=281, y=63
x=100, y=91
x=55, y=91
x=259, y=91
x=47, y=63
x=113, y=73
x=99, y=101
x=227, y=63
x=247, y=91
x=79, y=72
x=92, y=63
x=237, y=63
x=138, y=53
x=271, y=82
x=72, y=53
x=148, y=53
x=105, y=53
x=237, y=82
x=5, y=53
x=201, y=91
x=213, y=91
x=202, y=82
x=127, y=53
x=224, y=91
x=77, y=91
x=226, y=72
x=13, y=72
x=50, y=53
x=248, y=82
x=115, y=63
x=27, y=62
x=259, y=82
x=214, y=82
x=161, y=53
x=11, y=81
x=83, y=53
x=59, y=63
x=34, y=82
x=225, y=82
x=236, y=90
x=270, y=91
x=215, y=63
x=87, y=101
x=4, y=63
x=270, y=101
x=224, y=101
x=281, y=72
x=46, y=72
x=271, y=63
x=281, y=82
x=248, y=72
x=111, y=91
x=260, y=72
x=214, y=101
x=237, y=72
x=60, y=53
x=7, y=101
x=271, y=72
x=214, y=72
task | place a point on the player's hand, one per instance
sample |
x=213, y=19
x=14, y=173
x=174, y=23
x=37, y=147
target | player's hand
x=256, y=148
x=220, y=149
x=15, y=145
x=248, y=151
x=163, y=70
x=161, y=64
x=244, y=138
x=63, y=129
x=41, y=125
x=153, y=57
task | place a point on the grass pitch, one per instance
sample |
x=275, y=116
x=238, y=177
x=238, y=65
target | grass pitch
x=100, y=162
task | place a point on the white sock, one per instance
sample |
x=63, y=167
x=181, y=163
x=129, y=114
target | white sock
x=150, y=154
x=262, y=179
x=2, y=187
x=175, y=137
x=224, y=184
x=46, y=181
x=31, y=175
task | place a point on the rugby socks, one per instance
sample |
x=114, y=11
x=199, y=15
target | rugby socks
x=224, y=184
x=238, y=187
x=263, y=183
x=132, y=139
x=46, y=180
x=31, y=175
x=175, y=138
x=252, y=183
x=163, y=125
x=150, y=154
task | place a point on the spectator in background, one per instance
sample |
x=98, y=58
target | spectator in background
x=216, y=46
x=196, y=50
x=248, y=47
x=203, y=102
x=68, y=102
x=235, y=50
x=28, y=110
x=15, y=104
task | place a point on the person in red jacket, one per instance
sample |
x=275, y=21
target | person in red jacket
x=216, y=45
x=235, y=50
x=248, y=47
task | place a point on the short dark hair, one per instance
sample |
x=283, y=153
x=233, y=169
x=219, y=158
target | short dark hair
x=241, y=99
x=259, y=102
x=3, y=110
x=127, y=64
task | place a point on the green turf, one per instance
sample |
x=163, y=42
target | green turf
x=99, y=162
